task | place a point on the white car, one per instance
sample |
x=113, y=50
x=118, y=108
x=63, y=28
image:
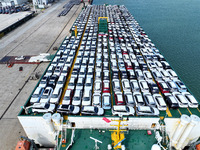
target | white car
x=20, y=58
x=123, y=110
x=92, y=110
x=160, y=102
x=42, y=108
x=147, y=111
x=46, y=95
x=35, y=98
x=68, y=109
x=182, y=102
x=55, y=98
x=193, y=103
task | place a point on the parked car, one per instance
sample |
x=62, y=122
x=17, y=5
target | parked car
x=143, y=86
x=61, y=82
x=44, y=81
x=96, y=99
x=119, y=98
x=134, y=86
x=56, y=95
x=92, y=110
x=137, y=96
x=35, y=98
x=106, y=101
x=147, y=111
x=116, y=85
x=163, y=87
x=123, y=110
x=77, y=98
x=87, y=98
x=153, y=88
x=171, y=100
x=106, y=86
x=68, y=109
x=180, y=85
x=128, y=96
x=149, y=100
x=72, y=83
x=182, y=102
x=126, y=85
x=161, y=105
x=193, y=103
x=46, y=95
x=42, y=108
x=68, y=97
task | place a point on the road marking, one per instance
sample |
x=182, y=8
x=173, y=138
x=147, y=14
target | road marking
x=189, y=111
x=179, y=112
x=168, y=112
x=198, y=109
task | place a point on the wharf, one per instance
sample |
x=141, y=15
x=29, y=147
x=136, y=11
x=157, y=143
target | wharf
x=38, y=35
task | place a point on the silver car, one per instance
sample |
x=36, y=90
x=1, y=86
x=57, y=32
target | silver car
x=147, y=111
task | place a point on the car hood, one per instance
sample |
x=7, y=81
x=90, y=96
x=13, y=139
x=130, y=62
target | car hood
x=34, y=100
x=100, y=112
x=76, y=110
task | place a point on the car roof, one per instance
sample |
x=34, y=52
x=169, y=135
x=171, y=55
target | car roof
x=119, y=107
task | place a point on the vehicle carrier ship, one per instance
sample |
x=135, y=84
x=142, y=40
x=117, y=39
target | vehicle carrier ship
x=109, y=87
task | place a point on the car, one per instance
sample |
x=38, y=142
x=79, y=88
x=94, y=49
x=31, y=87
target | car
x=56, y=95
x=106, y=86
x=35, y=98
x=119, y=98
x=20, y=58
x=164, y=73
x=172, y=86
x=123, y=110
x=58, y=70
x=149, y=100
x=97, y=85
x=165, y=65
x=180, y=85
x=163, y=87
x=50, y=70
x=68, y=109
x=68, y=97
x=128, y=97
x=182, y=101
x=134, y=86
x=65, y=71
x=61, y=81
x=171, y=101
x=147, y=75
x=52, y=81
x=160, y=102
x=87, y=98
x=143, y=86
x=126, y=85
x=137, y=96
x=92, y=110
x=106, y=101
x=82, y=72
x=156, y=74
x=153, y=88
x=172, y=74
x=46, y=95
x=44, y=81
x=72, y=83
x=98, y=74
x=96, y=99
x=80, y=83
x=193, y=103
x=116, y=85
x=42, y=108
x=147, y=111
x=90, y=72
x=77, y=98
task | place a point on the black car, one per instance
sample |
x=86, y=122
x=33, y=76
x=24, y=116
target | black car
x=153, y=88
x=52, y=81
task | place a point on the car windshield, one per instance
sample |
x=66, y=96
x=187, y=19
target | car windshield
x=43, y=82
x=35, y=95
x=44, y=96
x=54, y=95
x=47, y=105
x=86, y=98
x=76, y=98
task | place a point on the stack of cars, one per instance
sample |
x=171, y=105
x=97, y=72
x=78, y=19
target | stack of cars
x=119, y=71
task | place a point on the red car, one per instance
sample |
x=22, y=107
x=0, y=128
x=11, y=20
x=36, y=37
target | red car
x=128, y=66
x=163, y=87
x=119, y=98
x=106, y=86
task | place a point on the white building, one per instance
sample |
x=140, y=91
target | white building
x=11, y=2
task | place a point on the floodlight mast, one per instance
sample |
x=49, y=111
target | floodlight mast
x=96, y=142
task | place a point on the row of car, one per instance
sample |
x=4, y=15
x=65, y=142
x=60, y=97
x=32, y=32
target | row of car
x=118, y=71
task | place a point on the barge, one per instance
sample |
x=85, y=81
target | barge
x=109, y=87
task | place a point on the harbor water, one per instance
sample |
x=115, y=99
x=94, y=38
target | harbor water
x=174, y=27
